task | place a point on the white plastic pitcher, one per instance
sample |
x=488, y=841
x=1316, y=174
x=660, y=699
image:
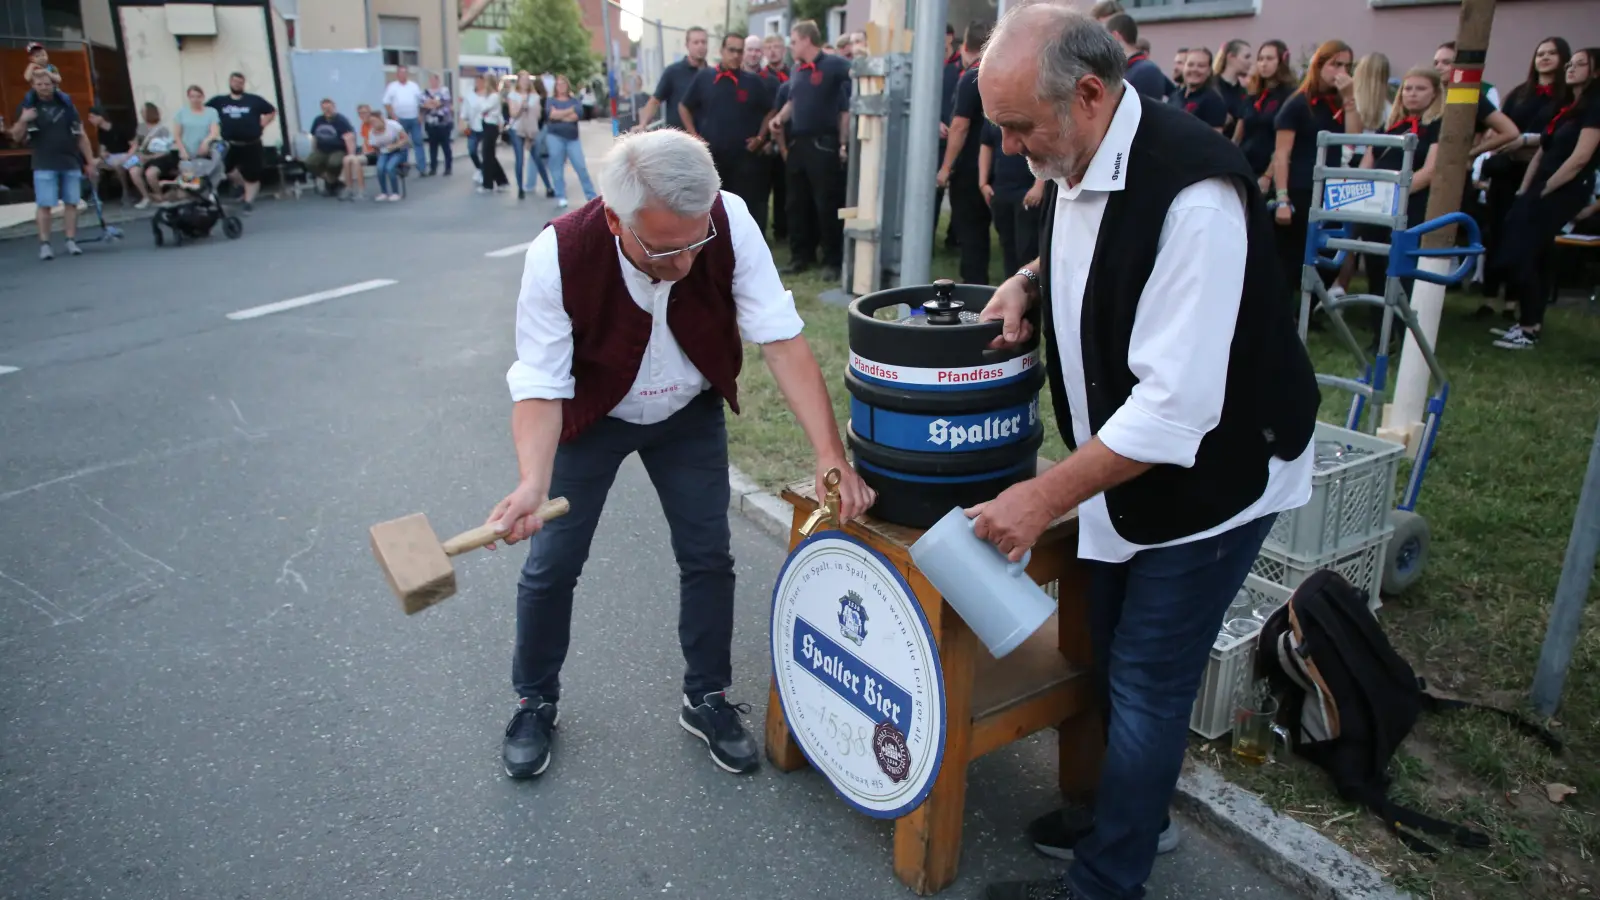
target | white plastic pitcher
x=993, y=595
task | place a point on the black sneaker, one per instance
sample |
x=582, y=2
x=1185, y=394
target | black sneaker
x=717, y=722
x=529, y=735
x=830, y=273
x=1046, y=889
x=795, y=268
x=1054, y=834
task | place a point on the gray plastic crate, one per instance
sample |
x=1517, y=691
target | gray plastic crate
x=1361, y=565
x=1230, y=667
x=1350, y=500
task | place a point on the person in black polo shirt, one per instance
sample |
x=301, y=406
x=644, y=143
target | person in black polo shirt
x=244, y=117
x=774, y=74
x=1559, y=183
x=675, y=81
x=1013, y=195
x=815, y=116
x=953, y=67
x=1231, y=68
x=959, y=170
x=1145, y=76
x=728, y=108
x=1418, y=109
x=1324, y=102
x=1269, y=86
x=1198, y=97
x=1529, y=106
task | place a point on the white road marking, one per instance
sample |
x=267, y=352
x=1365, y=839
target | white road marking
x=7, y=370
x=255, y=312
x=512, y=250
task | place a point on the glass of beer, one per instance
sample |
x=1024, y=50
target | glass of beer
x=1252, y=725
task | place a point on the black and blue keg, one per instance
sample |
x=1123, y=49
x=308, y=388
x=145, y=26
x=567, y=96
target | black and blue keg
x=937, y=418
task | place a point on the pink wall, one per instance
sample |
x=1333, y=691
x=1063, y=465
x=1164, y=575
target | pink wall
x=1407, y=35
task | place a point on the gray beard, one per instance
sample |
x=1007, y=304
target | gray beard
x=1052, y=168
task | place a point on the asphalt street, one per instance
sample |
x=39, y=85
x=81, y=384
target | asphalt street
x=206, y=689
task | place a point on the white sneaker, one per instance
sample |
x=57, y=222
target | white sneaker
x=481, y=189
x=142, y=204
x=73, y=249
x=45, y=252
x=1335, y=292
x=562, y=202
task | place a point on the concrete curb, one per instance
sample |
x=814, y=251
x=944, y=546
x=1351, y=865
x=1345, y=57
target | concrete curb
x=1291, y=851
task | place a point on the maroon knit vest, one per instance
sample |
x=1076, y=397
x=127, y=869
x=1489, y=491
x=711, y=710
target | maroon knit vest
x=610, y=331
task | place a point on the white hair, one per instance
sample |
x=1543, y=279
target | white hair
x=665, y=168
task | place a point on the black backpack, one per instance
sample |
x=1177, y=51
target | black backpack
x=1350, y=700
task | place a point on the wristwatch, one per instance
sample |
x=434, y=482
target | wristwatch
x=1033, y=280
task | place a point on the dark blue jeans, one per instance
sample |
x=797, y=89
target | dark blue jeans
x=1152, y=620
x=687, y=459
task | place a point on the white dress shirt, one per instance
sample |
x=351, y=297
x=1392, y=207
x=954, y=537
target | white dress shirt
x=1181, y=333
x=667, y=380
x=404, y=99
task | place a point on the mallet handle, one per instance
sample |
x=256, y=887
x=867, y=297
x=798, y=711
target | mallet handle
x=485, y=534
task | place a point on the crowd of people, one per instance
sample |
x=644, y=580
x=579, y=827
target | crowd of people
x=780, y=137
x=416, y=127
x=223, y=132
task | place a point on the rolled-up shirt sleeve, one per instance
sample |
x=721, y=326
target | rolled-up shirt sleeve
x=764, y=310
x=1183, y=329
x=543, y=370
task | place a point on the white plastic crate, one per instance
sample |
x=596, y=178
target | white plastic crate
x=1233, y=659
x=1350, y=500
x=1361, y=565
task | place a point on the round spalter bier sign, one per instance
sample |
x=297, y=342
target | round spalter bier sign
x=858, y=674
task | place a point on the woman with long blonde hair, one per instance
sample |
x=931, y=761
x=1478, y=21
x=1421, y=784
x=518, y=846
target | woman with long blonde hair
x=1417, y=110
x=1233, y=64
x=1372, y=89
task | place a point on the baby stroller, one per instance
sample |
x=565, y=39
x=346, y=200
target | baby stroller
x=200, y=210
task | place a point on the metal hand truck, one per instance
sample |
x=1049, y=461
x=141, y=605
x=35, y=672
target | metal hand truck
x=1347, y=196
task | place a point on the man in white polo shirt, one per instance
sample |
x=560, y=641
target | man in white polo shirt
x=403, y=101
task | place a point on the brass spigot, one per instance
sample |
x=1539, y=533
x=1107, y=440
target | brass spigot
x=828, y=510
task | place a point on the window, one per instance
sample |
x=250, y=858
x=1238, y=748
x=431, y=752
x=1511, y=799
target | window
x=836, y=23
x=1163, y=10
x=775, y=25
x=496, y=43
x=401, y=39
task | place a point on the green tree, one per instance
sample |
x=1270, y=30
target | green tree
x=816, y=11
x=548, y=36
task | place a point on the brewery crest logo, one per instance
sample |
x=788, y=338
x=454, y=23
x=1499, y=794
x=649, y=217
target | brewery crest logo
x=853, y=617
x=865, y=700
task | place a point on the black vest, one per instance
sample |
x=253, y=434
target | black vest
x=1271, y=397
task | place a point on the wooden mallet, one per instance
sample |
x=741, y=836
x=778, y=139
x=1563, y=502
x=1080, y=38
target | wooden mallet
x=417, y=563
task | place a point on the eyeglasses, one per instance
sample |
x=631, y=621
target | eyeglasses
x=666, y=253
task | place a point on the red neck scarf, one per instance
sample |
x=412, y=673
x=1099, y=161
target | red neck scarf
x=953, y=58
x=1332, y=102
x=1137, y=58
x=730, y=74
x=1544, y=90
x=806, y=67
x=1555, y=121
x=1411, y=124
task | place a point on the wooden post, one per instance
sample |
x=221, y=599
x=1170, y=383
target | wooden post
x=927, y=842
x=886, y=19
x=782, y=751
x=1403, y=418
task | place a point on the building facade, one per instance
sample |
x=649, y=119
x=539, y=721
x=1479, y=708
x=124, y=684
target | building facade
x=1406, y=31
